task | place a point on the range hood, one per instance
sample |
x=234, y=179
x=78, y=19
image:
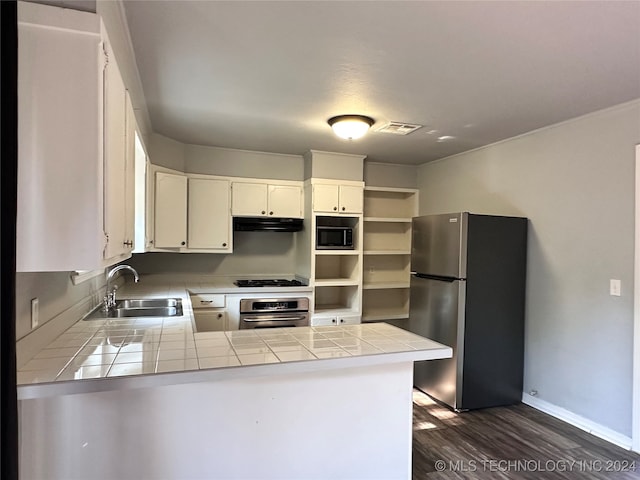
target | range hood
x=266, y=224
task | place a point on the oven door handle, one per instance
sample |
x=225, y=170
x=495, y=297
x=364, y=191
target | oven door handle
x=271, y=318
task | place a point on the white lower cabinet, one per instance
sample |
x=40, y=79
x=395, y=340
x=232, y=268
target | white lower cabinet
x=322, y=320
x=209, y=312
x=212, y=320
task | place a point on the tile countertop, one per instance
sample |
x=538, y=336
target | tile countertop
x=118, y=353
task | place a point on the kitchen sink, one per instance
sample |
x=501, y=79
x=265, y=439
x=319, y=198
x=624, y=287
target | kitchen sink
x=148, y=303
x=145, y=312
x=152, y=307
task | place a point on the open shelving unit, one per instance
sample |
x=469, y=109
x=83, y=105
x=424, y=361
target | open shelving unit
x=336, y=274
x=387, y=252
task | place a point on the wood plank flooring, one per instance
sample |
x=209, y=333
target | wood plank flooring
x=514, y=442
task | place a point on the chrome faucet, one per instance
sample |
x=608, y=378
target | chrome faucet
x=110, y=294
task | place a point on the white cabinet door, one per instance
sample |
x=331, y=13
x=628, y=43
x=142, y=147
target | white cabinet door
x=114, y=158
x=285, y=201
x=210, y=320
x=337, y=198
x=351, y=199
x=130, y=174
x=209, y=217
x=323, y=321
x=348, y=319
x=170, y=210
x=325, y=198
x=249, y=199
x=60, y=165
x=335, y=320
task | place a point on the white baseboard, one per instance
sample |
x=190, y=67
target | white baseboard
x=577, y=421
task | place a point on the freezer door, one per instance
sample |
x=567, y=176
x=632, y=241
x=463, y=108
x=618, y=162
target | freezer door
x=437, y=312
x=439, y=245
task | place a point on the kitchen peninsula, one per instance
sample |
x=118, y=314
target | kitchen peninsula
x=303, y=402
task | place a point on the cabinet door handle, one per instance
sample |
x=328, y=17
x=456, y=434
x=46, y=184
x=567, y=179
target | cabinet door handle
x=263, y=212
x=343, y=209
x=183, y=243
x=128, y=243
x=333, y=320
x=205, y=302
x=219, y=315
x=224, y=244
x=335, y=208
x=270, y=213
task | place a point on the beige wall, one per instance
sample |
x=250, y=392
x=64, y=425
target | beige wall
x=242, y=163
x=390, y=175
x=575, y=183
x=254, y=253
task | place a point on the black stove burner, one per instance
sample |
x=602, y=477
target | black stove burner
x=269, y=283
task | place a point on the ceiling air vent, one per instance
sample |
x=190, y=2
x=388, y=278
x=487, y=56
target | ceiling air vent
x=398, y=128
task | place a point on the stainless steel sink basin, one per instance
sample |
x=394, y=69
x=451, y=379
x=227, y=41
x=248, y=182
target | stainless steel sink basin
x=152, y=307
x=146, y=312
x=148, y=302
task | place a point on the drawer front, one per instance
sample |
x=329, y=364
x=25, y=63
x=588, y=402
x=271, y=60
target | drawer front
x=207, y=300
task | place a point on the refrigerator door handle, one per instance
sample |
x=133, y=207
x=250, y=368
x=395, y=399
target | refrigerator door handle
x=434, y=277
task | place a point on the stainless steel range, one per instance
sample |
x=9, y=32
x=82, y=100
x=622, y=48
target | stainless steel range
x=274, y=312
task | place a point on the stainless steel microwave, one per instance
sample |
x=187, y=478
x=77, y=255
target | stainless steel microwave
x=334, y=238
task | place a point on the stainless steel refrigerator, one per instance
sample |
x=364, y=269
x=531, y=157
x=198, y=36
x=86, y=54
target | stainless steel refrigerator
x=468, y=292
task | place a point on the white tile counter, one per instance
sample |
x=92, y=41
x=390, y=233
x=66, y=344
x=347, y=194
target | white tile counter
x=151, y=388
x=143, y=347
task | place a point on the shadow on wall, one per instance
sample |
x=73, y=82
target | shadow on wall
x=254, y=253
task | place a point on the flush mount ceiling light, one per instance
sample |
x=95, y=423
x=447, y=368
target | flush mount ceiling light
x=350, y=127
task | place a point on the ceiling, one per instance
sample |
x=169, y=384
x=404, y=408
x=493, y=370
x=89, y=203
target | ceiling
x=267, y=75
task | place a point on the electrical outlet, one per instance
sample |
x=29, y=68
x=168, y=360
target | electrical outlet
x=614, y=287
x=35, y=310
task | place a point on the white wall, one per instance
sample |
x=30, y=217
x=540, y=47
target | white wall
x=575, y=182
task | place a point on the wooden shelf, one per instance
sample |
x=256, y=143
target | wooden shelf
x=381, y=315
x=388, y=219
x=336, y=252
x=334, y=310
x=385, y=285
x=335, y=282
x=387, y=252
x=388, y=214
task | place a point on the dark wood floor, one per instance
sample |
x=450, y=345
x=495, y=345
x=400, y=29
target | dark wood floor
x=515, y=442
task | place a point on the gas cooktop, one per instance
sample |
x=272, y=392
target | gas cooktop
x=269, y=283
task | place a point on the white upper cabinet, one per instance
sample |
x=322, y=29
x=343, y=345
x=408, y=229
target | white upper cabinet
x=208, y=216
x=249, y=199
x=118, y=171
x=170, y=219
x=190, y=213
x=264, y=199
x=285, y=201
x=337, y=199
x=71, y=143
